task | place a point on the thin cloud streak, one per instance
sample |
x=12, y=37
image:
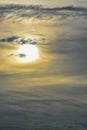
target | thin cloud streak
x=38, y=12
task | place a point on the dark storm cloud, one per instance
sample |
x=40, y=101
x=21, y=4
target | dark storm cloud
x=19, y=12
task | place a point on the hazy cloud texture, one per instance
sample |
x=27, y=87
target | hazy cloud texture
x=21, y=12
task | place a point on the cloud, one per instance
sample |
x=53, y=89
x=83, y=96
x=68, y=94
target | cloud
x=26, y=41
x=19, y=40
x=18, y=55
x=21, y=12
x=9, y=39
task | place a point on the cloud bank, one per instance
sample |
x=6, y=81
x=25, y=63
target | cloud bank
x=38, y=12
x=19, y=40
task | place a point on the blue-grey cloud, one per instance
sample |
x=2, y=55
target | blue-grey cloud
x=19, y=40
x=26, y=41
x=19, y=12
x=9, y=39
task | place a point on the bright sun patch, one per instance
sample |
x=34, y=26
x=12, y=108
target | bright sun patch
x=28, y=53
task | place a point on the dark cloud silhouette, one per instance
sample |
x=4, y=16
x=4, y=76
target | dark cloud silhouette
x=18, y=55
x=19, y=12
x=9, y=39
x=26, y=41
x=21, y=55
x=19, y=40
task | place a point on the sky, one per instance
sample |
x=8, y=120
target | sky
x=43, y=64
x=47, y=3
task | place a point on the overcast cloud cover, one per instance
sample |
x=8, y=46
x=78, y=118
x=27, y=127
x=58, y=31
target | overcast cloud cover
x=52, y=93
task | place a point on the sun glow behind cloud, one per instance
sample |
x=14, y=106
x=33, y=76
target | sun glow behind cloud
x=48, y=54
x=43, y=65
x=28, y=53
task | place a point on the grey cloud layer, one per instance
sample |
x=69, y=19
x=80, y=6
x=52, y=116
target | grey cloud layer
x=19, y=12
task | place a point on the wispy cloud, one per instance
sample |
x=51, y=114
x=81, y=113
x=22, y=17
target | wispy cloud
x=20, y=12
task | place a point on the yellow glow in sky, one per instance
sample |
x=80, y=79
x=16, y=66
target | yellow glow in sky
x=28, y=53
x=46, y=2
